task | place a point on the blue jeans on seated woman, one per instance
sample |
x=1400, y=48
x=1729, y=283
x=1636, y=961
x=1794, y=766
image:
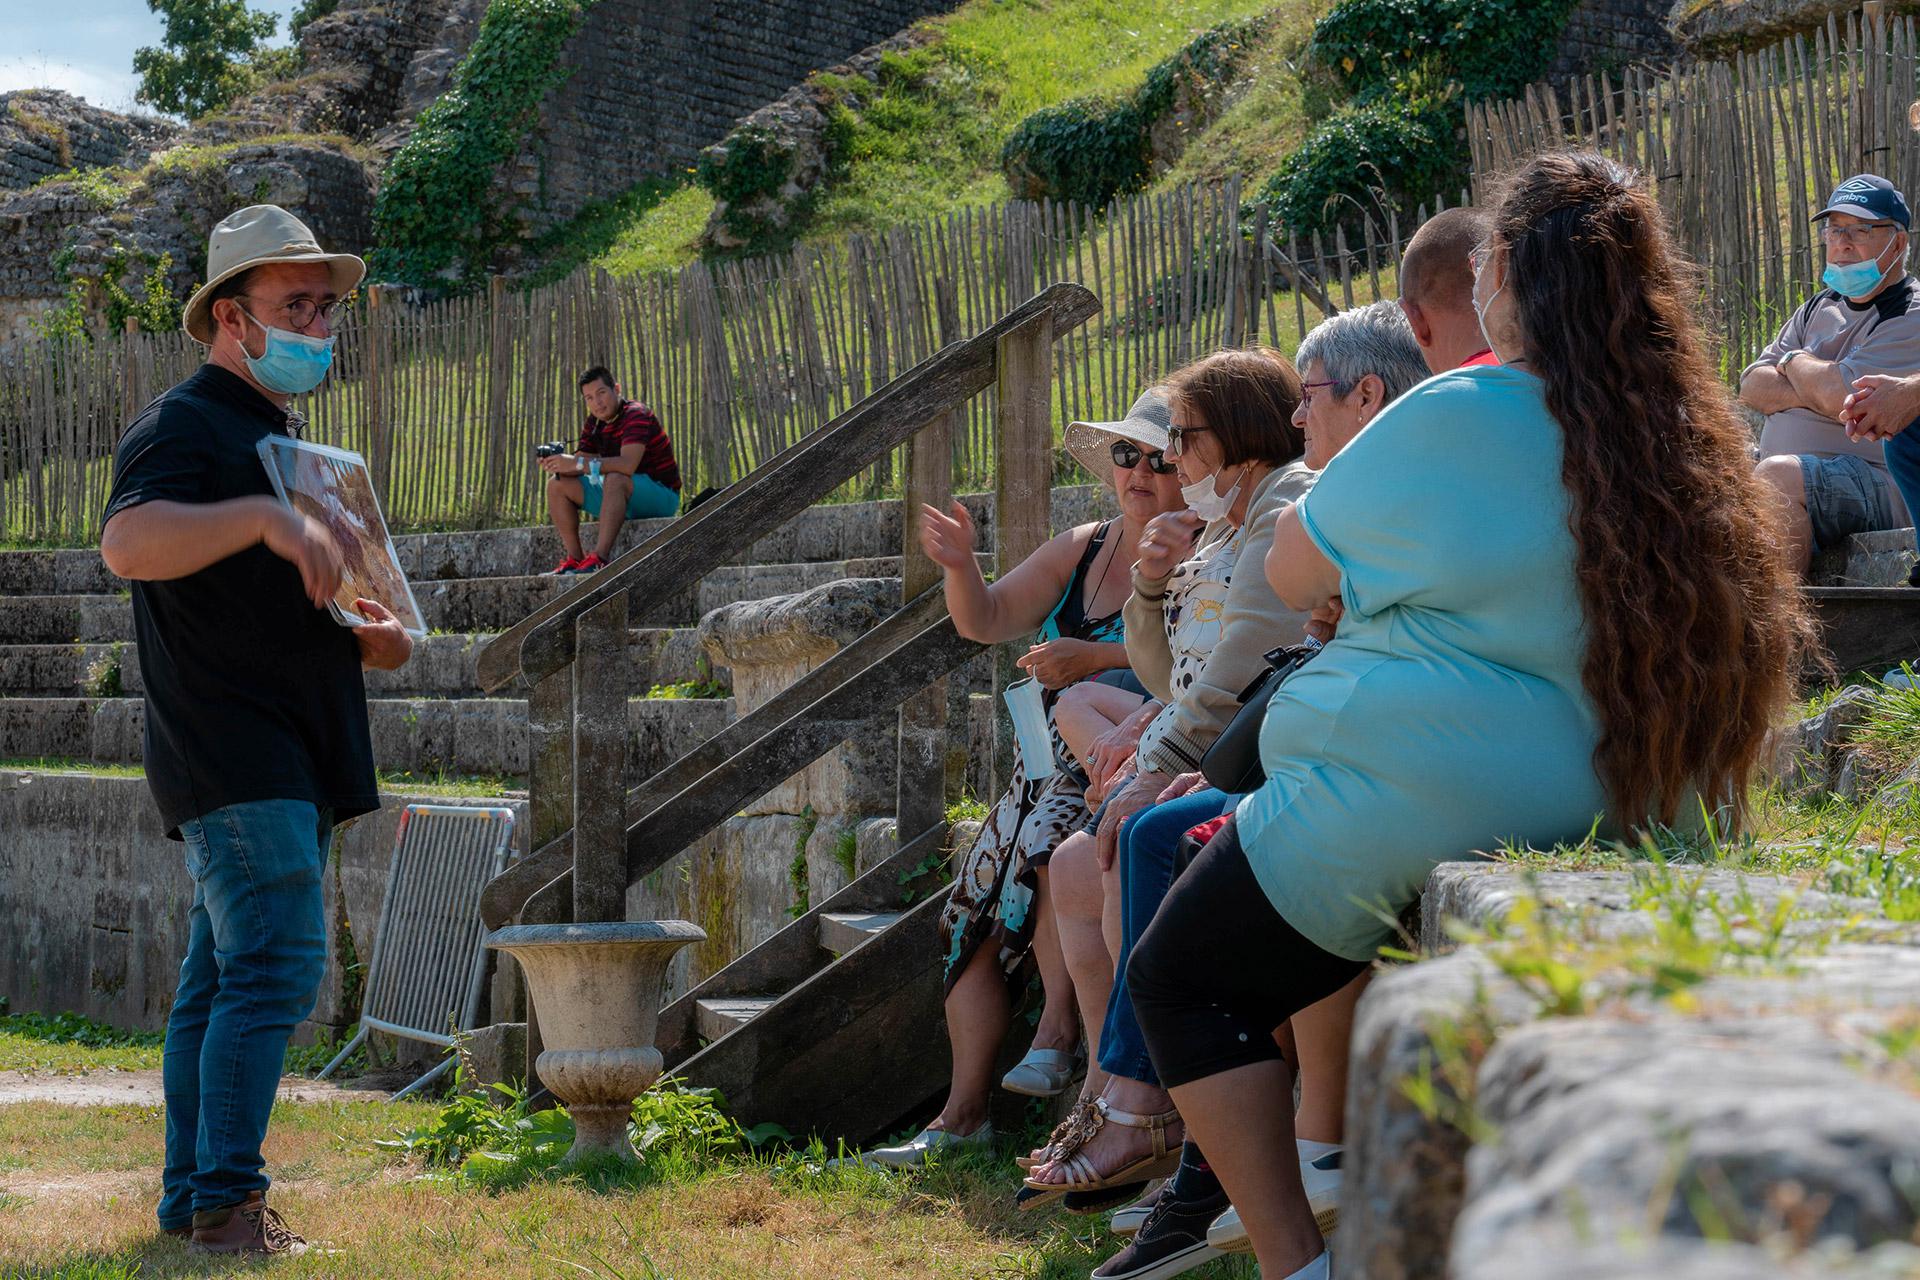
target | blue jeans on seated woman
x=1147, y=847
x=256, y=947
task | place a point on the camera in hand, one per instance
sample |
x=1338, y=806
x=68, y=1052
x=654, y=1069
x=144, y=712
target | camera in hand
x=551, y=449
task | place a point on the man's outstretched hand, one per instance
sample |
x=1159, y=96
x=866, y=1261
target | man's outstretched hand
x=384, y=643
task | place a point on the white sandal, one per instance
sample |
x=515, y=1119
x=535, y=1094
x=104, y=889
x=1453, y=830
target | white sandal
x=1043, y=1073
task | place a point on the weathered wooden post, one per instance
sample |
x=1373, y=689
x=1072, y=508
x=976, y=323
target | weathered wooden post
x=600, y=685
x=921, y=786
x=550, y=770
x=499, y=390
x=1023, y=490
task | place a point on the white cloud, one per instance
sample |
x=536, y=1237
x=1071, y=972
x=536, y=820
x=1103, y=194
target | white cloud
x=86, y=46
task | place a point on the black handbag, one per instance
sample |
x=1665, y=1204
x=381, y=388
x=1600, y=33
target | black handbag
x=1232, y=763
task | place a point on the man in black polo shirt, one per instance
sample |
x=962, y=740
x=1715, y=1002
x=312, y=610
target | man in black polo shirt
x=256, y=717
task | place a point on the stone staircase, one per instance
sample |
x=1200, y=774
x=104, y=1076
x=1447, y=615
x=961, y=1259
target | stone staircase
x=70, y=705
x=70, y=680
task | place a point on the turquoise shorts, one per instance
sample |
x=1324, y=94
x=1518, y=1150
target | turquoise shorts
x=649, y=499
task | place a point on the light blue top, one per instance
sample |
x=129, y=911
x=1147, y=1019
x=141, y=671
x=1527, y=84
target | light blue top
x=1447, y=715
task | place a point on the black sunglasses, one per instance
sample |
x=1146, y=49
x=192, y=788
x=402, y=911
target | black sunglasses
x=1127, y=454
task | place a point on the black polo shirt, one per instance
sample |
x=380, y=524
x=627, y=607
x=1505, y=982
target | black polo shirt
x=251, y=692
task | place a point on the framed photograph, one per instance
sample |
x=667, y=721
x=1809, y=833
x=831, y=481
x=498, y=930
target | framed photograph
x=334, y=487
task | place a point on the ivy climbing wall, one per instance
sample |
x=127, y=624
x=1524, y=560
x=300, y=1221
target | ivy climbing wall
x=654, y=81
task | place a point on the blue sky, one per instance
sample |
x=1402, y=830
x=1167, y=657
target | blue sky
x=86, y=46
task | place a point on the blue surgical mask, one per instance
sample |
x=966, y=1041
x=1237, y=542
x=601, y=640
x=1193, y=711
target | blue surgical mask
x=292, y=363
x=1854, y=279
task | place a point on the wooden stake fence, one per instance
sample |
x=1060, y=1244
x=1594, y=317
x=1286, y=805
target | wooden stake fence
x=740, y=359
x=1742, y=152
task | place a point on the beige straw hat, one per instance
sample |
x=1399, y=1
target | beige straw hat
x=258, y=234
x=1146, y=424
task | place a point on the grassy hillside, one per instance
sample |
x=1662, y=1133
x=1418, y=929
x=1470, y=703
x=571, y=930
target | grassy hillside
x=930, y=142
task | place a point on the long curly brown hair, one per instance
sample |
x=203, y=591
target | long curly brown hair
x=1694, y=621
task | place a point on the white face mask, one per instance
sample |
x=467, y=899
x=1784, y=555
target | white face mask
x=1204, y=502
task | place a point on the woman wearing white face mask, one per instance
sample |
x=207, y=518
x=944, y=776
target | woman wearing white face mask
x=1200, y=619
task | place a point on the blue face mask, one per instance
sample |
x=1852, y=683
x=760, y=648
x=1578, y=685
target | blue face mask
x=292, y=362
x=1854, y=279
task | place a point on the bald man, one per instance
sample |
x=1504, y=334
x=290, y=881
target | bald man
x=1436, y=290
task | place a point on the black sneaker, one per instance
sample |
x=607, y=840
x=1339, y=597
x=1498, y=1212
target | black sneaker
x=1172, y=1241
x=1913, y=575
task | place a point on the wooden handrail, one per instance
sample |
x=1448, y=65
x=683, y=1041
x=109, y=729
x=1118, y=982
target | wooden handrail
x=777, y=490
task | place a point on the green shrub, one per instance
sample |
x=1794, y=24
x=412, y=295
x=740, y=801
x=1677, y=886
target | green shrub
x=1370, y=44
x=1489, y=48
x=1410, y=65
x=1089, y=150
x=1364, y=159
x=438, y=218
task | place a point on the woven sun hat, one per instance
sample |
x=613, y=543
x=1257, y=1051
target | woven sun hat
x=252, y=237
x=1091, y=443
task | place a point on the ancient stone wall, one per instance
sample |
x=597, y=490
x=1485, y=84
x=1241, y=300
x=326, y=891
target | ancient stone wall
x=654, y=81
x=45, y=131
x=172, y=213
x=1610, y=34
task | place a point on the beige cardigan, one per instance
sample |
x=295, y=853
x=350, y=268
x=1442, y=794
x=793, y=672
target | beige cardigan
x=1252, y=621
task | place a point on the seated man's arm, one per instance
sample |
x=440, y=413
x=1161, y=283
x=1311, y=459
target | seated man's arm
x=627, y=463
x=1820, y=385
x=1765, y=389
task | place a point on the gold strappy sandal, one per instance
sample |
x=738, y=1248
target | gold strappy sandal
x=1064, y=1132
x=1082, y=1176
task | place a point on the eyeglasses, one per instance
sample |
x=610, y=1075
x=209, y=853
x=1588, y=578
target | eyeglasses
x=1127, y=456
x=1477, y=257
x=1177, y=436
x=1308, y=388
x=1852, y=235
x=302, y=312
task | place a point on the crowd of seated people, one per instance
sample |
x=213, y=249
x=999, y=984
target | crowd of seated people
x=1552, y=594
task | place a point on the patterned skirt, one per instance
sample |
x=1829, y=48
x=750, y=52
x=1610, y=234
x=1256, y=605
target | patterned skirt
x=991, y=903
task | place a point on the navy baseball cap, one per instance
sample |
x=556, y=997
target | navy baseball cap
x=1870, y=196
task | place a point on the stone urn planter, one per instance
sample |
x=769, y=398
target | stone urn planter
x=596, y=992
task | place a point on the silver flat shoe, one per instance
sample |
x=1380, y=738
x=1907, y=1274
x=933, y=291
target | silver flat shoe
x=914, y=1150
x=1043, y=1073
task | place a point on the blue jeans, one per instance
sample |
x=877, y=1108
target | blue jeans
x=1147, y=846
x=1903, y=464
x=256, y=947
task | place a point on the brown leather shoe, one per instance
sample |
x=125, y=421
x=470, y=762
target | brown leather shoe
x=247, y=1227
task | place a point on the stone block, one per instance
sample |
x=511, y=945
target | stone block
x=769, y=644
x=1756, y=1143
x=1406, y=1166
x=495, y=1054
x=1808, y=757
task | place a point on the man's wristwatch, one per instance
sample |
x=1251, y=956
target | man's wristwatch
x=1788, y=358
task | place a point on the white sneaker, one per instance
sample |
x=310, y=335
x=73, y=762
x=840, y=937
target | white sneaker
x=914, y=1150
x=1127, y=1219
x=1043, y=1073
x=1321, y=1178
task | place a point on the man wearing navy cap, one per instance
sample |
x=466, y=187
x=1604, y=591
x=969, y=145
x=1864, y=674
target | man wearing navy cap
x=1831, y=482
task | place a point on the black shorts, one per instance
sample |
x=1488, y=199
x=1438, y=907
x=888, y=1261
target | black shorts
x=1219, y=969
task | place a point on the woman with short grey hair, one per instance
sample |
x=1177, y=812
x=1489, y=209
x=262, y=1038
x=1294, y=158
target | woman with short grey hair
x=1353, y=364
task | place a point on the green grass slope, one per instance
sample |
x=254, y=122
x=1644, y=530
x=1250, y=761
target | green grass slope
x=929, y=142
